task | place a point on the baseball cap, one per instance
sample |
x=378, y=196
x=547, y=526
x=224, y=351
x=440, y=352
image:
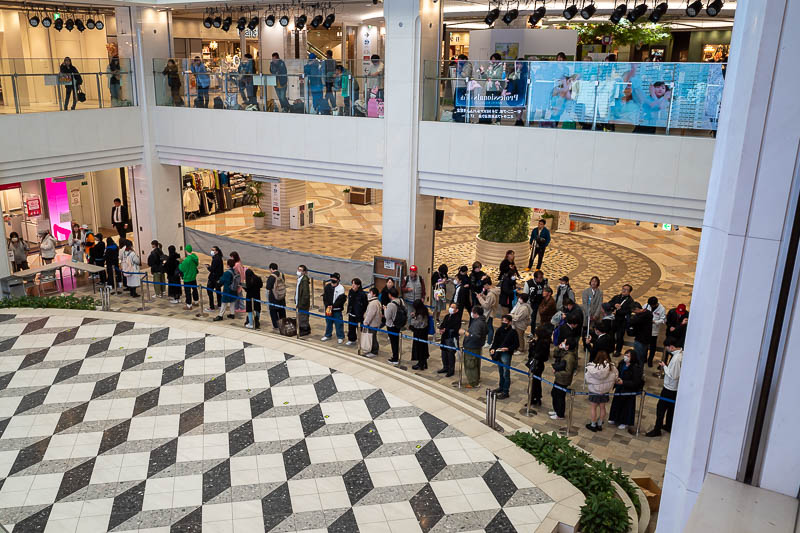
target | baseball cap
x=312, y=56
x=188, y=248
x=335, y=276
x=413, y=268
x=681, y=309
x=564, y=278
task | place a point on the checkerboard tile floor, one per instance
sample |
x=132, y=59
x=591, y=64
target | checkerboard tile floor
x=110, y=425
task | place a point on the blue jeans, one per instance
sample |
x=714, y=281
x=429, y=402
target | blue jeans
x=505, y=372
x=641, y=353
x=490, y=325
x=334, y=320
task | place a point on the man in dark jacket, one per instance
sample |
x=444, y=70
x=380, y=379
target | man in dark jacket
x=504, y=344
x=119, y=218
x=215, y=270
x=535, y=289
x=540, y=239
x=302, y=298
x=641, y=325
x=334, y=299
x=565, y=364
x=276, y=294
x=547, y=308
x=600, y=340
x=677, y=319
x=623, y=304
x=474, y=339
x=462, y=296
x=356, y=306
x=573, y=311
x=476, y=282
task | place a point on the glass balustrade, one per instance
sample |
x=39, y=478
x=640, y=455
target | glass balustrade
x=38, y=85
x=662, y=98
x=292, y=86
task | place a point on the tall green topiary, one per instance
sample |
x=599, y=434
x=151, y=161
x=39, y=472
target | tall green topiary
x=504, y=223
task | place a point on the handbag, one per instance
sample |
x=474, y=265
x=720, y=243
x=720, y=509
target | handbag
x=329, y=311
x=67, y=249
x=366, y=340
x=81, y=96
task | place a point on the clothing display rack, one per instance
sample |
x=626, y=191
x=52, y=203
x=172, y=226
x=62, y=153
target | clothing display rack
x=209, y=191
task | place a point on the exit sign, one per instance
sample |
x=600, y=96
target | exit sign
x=666, y=227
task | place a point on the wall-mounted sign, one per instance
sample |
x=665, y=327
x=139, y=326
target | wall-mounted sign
x=666, y=227
x=75, y=197
x=33, y=207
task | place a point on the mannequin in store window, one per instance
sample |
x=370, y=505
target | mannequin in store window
x=119, y=218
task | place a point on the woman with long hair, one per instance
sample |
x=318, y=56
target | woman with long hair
x=241, y=270
x=601, y=376
x=72, y=81
x=420, y=325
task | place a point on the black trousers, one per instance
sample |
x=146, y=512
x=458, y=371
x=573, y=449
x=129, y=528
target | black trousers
x=394, y=340
x=211, y=286
x=276, y=313
x=449, y=354
x=419, y=349
x=536, y=385
x=537, y=252
x=190, y=292
x=619, y=336
x=665, y=408
x=352, y=328
x=559, y=401
x=623, y=410
x=121, y=230
x=70, y=90
x=652, y=350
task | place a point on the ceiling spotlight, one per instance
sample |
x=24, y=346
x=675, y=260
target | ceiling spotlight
x=510, y=15
x=47, y=21
x=491, y=16
x=618, y=13
x=713, y=8
x=98, y=24
x=226, y=24
x=208, y=22
x=34, y=20
x=658, y=12
x=316, y=21
x=693, y=9
x=58, y=24
x=284, y=20
x=217, y=22
x=537, y=15
x=570, y=11
x=270, y=21
x=637, y=12
x=241, y=24
x=329, y=21
x=253, y=24
x=300, y=22
x=79, y=25
x=90, y=23
x=69, y=24
x=588, y=11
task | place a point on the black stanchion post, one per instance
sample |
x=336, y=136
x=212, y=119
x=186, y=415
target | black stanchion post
x=641, y=412
x=202, y=312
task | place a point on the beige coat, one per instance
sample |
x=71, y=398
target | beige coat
x=372, y=316
x=521, y=316
x=489, y=302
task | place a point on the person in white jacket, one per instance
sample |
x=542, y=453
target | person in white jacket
x=672, y=375
x=47, y=247
x=659, y=319
x=130, y=263
x=600, y=377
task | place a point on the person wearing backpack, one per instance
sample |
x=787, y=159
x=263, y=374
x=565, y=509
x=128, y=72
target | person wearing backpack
x=276, y=294
x=356, y=306
x=396, y=318
x=188, y=268
x=252, y=289
x=474, y=339
x=333, y=298
x=172, y=268
x=229, y=291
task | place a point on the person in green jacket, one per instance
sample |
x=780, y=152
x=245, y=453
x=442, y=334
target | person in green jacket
x=188, y=268
x=349, y=87
x=302, y=298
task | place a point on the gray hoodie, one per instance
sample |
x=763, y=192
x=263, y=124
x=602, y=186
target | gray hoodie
x=476, y=334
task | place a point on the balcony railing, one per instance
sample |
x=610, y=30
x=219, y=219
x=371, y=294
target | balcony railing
x=305, y=87
x=36, y=85
x=665, y=98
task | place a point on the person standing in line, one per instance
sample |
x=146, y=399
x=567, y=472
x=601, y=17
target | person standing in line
x=241, y=270
x=302, y=301
x=539, y=241
x=505, y=343
x=312, y=75
x=623, y=304
x=98, y=256
x=462, y=296
x=508, y=290
x=276, y=294
x=172, y=268
x=592, y=303
x=600, y=340
x=349, y=86
x=677, y=320
x=333, y=298
x=600, y=377
x=640, y=324
x=623, y=408
x=535, y=289
x=372, y=320
x=488, y=298
x=156, y=263
x=449, y=329
x=538, y=354
x=19, y=249
x=564, y=365
x=443, y=290
x=672, y=375
x=72, y=81
x=547, y=308
x=252, y=287
x=202, y=80
x=374, y=83
x=384, y=297
x=188, y=269
x=563, y=292
x=246, y=88
x=229, y=291
x=572, y=310
x=521, y=318
x=88, y=242
x=130, y=266
x=76, y=243
x=413, y=286
x=356, y=307
x=47, y=247
x=507, y=264
x=114, y=81
x=659, y=319
x=111, y=258
x=215, y=271
x=420, y=326
x=390, y=311
x=474, y=339
x=119, y=218
x=277, y=67
x=476, y=280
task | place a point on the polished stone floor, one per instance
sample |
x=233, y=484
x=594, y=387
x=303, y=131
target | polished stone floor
x=117, y=425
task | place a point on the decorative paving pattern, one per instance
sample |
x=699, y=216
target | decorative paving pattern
x=122, y=426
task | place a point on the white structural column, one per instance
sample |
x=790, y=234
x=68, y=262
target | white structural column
x=156, y=187
x=412, y=35
x=737, y=281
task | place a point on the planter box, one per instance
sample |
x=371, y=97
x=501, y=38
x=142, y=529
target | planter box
x=259, y=222
x=490, y=254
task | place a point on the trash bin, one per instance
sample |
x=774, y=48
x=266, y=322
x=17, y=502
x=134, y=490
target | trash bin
x=651, y=491
x=11, y=287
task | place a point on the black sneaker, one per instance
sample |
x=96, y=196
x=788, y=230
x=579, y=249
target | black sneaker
x=217, y=318
x=653, y=433
x=231, y=316
x=441, y=371
x=502, y=396
x=591, y=427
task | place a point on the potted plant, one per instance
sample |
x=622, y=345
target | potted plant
x=346, y=195
x=502, y=228
x=259, y=216
x=552, y=219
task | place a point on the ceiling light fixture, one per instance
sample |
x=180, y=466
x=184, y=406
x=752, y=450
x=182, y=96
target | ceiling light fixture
x=537, y=15
x=226, y=24
x=300, y=22
x=270, y=20
x=637, y=12
x=58, y=24
x=47, y=21
x=316, y=21
x=208, y=21
x=34, y=20
x=284, y=20
x=90, y=23
x=79, y=25
x=510, y=16
x=241, y=24
x=217, y=22
x=99, y=24
x=329, y=21
x=693, y=9
x=69, y=24
x=588, y=11
x=570, y=12
x=492, y=16
x=618, y=13
x=658, y=12
x=713, y=8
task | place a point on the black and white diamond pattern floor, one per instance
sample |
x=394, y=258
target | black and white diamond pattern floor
x=124, y=426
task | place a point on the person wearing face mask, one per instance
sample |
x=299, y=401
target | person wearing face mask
x=394, y=312
x=130, y=266
x=600, y=377
x=462, y=297
x=538, y=354
x=521, y=318
x=372, y=321
x=19, y=250
x=507, y=264
x=563, y=292
x=302, y=299
x=474, y=339
x=215, y=271
x=564, y=365
x=111, y=260
x=476, y=278
x=356, y=306
x=488, y=298
x=505, y=343
x=672, y=375
x=76, y=244
x=547, y=308
x=449, y=329
x=535, y=289
x=333, y=298
x=188, y=268
x=276, y=294
x=443, y=291
x=156, y=263
x=508, y=290
x=659, y=319
x=172, y=269
x=419, y=323
x=623, y=408
x=229, y=292
x=623, y=305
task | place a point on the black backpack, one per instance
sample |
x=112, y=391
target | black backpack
x=401, y=317
x=218, y=104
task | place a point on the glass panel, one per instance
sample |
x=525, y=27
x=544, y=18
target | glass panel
x=622, y=97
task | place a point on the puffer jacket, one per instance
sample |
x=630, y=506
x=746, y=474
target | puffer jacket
x=600, y=379
x=372, y=316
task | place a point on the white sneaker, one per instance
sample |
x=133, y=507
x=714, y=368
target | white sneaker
x=556, y=417
x=340, y=341
x=487, y=345
x=174, y=301
x=551, y=413
x=208, y=310
x=349, y=343
x=323, y=339
x=188, y=307
x=612, y=423
x=249, y=326
x=622, y=426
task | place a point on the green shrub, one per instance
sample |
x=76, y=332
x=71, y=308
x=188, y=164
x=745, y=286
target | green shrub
x=504, y=223
x=51, y=302
x=603, y=512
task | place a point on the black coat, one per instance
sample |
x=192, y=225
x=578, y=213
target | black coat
x=577, y=315
x=674, y=321
x=603, y=343
x=450, y=324
x=357, y=304
x=506, y=337
x=539, y=352
x=327, y=298
x=508, y=287
x=111, y=255
x=215, y=269
x=631, y=376
x=123, y=215
x=97, y=252
x=252, y=285
x=534, y=291
x=463, y=299
x=505, y=267
x=642, y=325
x=77, y=80
x=566, y=333
x=156, y=260
x=625, y=309
x=171, y=268
x=476, y=281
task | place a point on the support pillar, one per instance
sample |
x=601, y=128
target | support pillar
x=284, y=195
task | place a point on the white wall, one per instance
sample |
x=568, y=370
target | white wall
x=538, y=41
x=106, y=188
x=653, y=178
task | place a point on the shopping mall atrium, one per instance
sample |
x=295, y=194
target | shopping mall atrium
x=262, y=276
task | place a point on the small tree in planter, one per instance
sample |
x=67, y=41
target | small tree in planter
x=551, y=219
x=259, y=216
x=346, y=193
x=502, y=228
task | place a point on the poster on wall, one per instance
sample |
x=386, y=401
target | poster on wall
x=276, y=204
x=33, y=207
x=507, y=50
x=490, y=91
